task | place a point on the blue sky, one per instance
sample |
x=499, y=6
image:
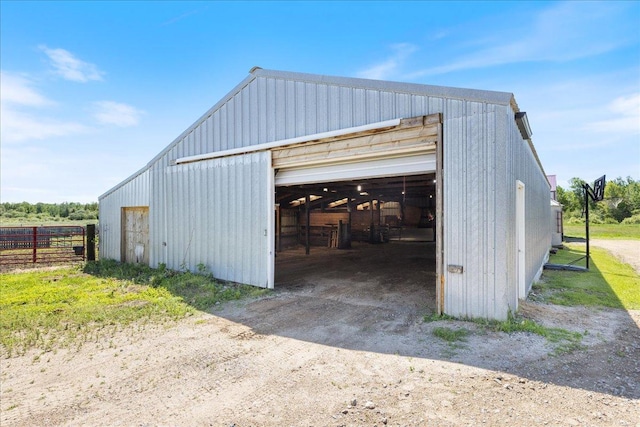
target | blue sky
x=91, y=91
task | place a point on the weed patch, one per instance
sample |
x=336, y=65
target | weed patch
x=450, y=334
x=563, y=341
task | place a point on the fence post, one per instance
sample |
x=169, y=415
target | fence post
x=91, y=242
x=35, y=243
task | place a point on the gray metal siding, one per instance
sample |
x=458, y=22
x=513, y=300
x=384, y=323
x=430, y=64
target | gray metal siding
x=269, y=109
x=134, y=193
x=484, y=156
x=522, y=165
x=470, y=131
x=218, y=217
x=518, y=163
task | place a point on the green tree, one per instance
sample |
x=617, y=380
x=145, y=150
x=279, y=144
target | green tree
x=633, y=195
x=567, y=199
x=577, y=188
x=615, y=202
x=621, y=200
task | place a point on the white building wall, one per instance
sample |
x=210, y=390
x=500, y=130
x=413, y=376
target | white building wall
x=134, y=192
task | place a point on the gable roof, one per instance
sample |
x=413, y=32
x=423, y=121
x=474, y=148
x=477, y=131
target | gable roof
x=486, y=96
x=493, y=97
x=503, y=98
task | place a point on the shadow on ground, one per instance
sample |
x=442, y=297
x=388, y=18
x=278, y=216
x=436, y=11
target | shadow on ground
x=374, y=298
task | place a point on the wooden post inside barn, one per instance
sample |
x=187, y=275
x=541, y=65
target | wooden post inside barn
x=307, y=204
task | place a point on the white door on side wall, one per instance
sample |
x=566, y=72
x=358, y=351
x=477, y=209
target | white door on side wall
x=521, y=240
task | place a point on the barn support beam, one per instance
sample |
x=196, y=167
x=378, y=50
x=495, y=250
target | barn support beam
x=278, y=229
x=439, y=230
x=307, y=203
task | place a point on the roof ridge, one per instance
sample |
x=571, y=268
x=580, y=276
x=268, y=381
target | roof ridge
x=505, y=98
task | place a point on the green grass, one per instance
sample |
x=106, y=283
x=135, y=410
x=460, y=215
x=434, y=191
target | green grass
x=49, y=221
x=449, y=334
x=563, y=341
x=608, y=283
x=200, y=291
x=47, y=309
x=604, y=231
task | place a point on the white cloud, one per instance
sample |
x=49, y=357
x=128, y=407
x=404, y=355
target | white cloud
x=560, y=33
x=115, y=113
x=184, y=15
x=70, y=67
x=18, y=126
x=17, y=93
x=388, y=67
x=626, y=111
x=627, y=104
x=18, y=90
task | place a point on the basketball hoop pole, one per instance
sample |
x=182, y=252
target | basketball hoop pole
x=586, y=222
x=596, y=194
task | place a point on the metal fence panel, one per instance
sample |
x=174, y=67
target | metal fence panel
x=28, y=245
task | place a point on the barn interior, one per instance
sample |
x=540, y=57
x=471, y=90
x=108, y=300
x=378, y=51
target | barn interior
x=384, y=227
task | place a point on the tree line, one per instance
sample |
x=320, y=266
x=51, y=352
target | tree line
x=45, y=211
x=621, y=202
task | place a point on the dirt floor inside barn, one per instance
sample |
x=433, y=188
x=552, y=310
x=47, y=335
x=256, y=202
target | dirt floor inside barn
x=340, y=345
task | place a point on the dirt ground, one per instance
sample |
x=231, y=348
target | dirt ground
x=339, y=343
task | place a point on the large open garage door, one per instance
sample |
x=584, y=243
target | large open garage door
x=358, y=170
x=376, y=193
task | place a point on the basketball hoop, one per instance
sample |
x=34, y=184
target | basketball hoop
x=596, y=194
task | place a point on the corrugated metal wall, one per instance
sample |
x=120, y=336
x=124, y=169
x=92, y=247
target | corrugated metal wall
x=135, y=192
x=470, y=136
x=217, y=209
x=484, y=155
x=522, y=165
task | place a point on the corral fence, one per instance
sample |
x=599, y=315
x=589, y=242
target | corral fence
x=46, y=244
